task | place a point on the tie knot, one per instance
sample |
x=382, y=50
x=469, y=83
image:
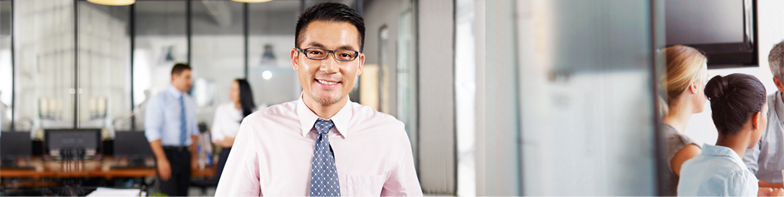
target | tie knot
x=323, y=126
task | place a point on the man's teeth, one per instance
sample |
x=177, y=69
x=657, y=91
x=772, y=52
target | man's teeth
x=327, y=82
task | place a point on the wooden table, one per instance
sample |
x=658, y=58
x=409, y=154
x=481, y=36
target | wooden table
x=87, y=169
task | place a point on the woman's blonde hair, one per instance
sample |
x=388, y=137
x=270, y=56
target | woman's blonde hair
x=685, y=65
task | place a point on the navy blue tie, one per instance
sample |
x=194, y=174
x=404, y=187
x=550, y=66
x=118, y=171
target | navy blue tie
x=323, y=173
x=183, y=122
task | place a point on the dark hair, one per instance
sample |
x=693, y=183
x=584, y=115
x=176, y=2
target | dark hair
x=734, y=99
x=179, y=67
x=331, y=12
x=246, y=97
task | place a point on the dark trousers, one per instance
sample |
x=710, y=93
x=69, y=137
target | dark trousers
x=180, y=165
x=224, y=155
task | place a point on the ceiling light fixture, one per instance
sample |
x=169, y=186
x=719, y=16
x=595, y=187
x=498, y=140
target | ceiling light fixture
x=113, y=2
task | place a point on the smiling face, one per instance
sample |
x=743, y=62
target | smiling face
x=327, y=81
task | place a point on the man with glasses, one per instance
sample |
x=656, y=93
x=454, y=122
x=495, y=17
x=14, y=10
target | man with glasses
x=322, y=144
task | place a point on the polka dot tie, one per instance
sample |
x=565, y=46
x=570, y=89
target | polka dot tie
x=323, y=173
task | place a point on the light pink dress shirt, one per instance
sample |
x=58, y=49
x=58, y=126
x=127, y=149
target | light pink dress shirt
x=273, y=151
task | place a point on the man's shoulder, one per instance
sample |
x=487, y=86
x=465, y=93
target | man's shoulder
x=365, y=114
x=275, y=111
x=157, y=100
x=158, y=96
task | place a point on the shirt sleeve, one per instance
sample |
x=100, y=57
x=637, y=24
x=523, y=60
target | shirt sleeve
x=741, y=184
x=403, y=179
x=751, y=157
x=240, y=176
x=153, y=119
x=217, y=123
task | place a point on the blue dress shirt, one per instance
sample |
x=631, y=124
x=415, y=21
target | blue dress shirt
x=163, y=117
x=717, y=171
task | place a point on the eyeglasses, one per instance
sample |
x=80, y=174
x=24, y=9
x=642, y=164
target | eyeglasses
x=343, y=55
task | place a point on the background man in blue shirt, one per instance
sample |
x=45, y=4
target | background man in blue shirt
x=170, y=127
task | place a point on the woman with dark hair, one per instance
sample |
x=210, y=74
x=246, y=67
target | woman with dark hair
x=228, y=117
x=739, y=108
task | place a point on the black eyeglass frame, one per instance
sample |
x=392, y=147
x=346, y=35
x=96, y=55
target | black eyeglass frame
x=333, y=52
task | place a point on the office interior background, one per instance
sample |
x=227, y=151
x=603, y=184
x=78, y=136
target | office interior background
x=499, y=97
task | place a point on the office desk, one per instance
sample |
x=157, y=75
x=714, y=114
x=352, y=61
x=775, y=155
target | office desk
x=86, y=169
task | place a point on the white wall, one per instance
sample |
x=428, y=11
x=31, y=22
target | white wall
x=770, y=31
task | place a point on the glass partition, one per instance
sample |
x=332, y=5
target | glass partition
x=44, y=65
x=6, y=74
x=104, y=67
x=586, y=116
x=218, y=53
x=271, y=38
x=160, y=41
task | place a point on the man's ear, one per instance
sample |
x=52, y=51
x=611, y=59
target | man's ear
x=294, y=57
x=778, y=83
x=361, y=63
x=755, y=120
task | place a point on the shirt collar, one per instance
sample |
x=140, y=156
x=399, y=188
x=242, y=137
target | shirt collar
x=307, y=118
x=714, y=150
x=174, y=91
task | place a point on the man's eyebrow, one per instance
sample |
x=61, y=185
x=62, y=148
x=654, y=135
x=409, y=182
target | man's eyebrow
x=347, y=47
x=319, y=45
x=316, y=44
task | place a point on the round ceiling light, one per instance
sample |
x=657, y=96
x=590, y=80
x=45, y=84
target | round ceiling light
x=113, y=2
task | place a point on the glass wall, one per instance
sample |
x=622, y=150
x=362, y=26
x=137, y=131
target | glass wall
x=44, y=65
x=104, y=67
x=217, y=53
x=160, y=41
x=271, y=38
x=82, y=65
x=406, y=72
x=5, y=65
x=579, y=108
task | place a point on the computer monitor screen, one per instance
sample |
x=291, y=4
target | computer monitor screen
x=131, y=144
x=72, y=139
x=15, y=144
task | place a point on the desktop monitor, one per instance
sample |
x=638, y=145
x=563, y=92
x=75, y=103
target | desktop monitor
x=131, y=144
x=15, y=144
x=56, y=140
x=134, y=146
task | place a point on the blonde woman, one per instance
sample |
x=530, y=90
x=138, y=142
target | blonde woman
x=685, y=84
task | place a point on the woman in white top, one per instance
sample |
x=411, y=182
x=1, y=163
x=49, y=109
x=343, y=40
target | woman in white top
x=228, y=117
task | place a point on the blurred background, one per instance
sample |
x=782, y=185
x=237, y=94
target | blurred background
x=499, y=97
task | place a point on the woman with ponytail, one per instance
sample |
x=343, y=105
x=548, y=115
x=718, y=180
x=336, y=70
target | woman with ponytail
x=684, y=83
x=739, y=107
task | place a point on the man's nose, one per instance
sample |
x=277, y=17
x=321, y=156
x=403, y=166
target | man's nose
x=331, y=64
